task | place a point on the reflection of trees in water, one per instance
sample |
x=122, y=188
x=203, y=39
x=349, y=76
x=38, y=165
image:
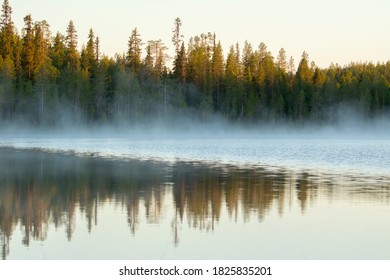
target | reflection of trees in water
x=6, y=228
x=306, y=189
x=39, y=189
x=201, y=191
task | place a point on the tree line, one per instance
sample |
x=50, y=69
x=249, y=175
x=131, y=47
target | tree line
x=47, y=80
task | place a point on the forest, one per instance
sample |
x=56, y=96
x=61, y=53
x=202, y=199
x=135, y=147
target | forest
x=46, y=80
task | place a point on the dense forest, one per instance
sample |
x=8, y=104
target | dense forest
x=47, y=80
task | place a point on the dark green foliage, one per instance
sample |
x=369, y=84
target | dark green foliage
x=48, y=81
x=134, y=52
x=72, y=55
x=180, y=65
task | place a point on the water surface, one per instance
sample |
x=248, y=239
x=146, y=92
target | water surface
x=184, y=199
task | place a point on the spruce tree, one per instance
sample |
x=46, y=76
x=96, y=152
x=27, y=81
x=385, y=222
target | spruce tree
x=58, y=52
x=88, y=56
x=6, y=31
x=42, y=61
x=28, y=48
x=282, y=60
x=72, y=56
x=180, y=65
x=134, y=51
x=217, y=72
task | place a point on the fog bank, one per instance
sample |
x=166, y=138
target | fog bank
x=346, y=123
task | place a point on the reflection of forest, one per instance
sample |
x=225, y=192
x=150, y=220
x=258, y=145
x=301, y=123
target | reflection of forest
x=39, y=189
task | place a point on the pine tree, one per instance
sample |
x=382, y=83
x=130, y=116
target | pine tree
x=18, y=60
x=42, y=62
x=91, y=47
x=232, y=82
x=97, y=49
x=44, y=72
x=303, y=87
x=161, y=59
x=156, y=57
x=282, y=61
x=180, y=59
x=177, y=38
x=248, y=61
x=28, y=48
x=217, y=71
x=180, y=65
x=304, y=73
x=232, y=64
x=72, y=56
x=199, y=55
x=262, y=51
x=6, y=14
x=247, y=54
x=291, y=66
x=58, y=52
x=88, y=56
x=6, y=31
x=149, y=61
x=268, y=65
x=134, y=51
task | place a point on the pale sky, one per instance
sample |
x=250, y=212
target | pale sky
x=338, y=31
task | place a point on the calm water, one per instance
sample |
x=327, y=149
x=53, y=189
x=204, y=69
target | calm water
x=194, y=199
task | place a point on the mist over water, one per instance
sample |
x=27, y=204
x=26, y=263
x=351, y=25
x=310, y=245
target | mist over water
x=346, y=122
x=350, y=142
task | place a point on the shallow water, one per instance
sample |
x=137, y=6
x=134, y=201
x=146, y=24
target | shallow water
x=194, y=199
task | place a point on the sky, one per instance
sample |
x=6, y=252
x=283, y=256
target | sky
x=338, y=31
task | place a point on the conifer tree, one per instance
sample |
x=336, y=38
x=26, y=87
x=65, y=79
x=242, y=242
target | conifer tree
x=88, y=56
x=199, y=55
x=58, y=52
x=134, y=51
x=28, y=48
x=91, y=46
x=6, y=31
x=72, y=56
x=148, y=61
x=282, y=60
x=180, y=65
x=177, y=38
x=262, y=51
x=156, y=56
x=232, y=82
x=304, y=73
x=291, y=66
x=217, y=71
x=43, y=70
x=232, y=64
x=247, y=55
x=42, y=36
x=97, y=49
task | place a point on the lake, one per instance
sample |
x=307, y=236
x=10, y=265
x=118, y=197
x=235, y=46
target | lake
x=204, y=198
